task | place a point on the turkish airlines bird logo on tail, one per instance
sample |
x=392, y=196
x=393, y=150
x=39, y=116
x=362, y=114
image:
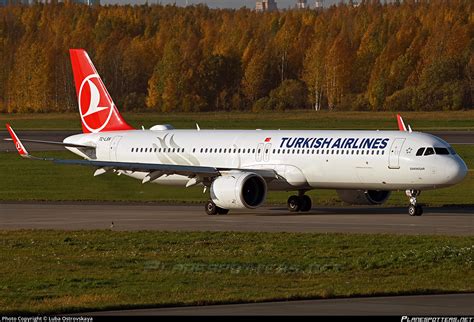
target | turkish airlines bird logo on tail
x=96, y=107
x=94, y=100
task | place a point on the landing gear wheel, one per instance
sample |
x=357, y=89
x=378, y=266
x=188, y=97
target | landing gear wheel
x=413, y=208
x=210, y=208
x=419, y=211
x=294, y=204
x=305, y=203
x=222, y=211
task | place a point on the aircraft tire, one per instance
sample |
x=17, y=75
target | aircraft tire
x=294, y=203
x=210, y=208
x=305, y=203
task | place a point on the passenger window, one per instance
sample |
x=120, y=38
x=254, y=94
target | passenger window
x=420, y=151
x=441, y=151
x=429, y=151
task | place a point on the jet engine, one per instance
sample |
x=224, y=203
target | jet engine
x=364, y=197
x=238, y=190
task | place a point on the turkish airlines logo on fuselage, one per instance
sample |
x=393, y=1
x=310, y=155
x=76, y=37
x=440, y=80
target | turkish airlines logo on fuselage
x=95, y=105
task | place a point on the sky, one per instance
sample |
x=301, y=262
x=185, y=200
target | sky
x=215, y=3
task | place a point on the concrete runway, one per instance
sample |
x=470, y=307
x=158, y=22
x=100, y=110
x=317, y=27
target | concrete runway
x=452, y=137
x=452, y=304
x=133, y=217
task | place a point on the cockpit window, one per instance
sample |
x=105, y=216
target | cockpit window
x=441, y=150
x=429, y=151
x=420, y=151
x=451, y=150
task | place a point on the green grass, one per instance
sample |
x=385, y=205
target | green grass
x=300, y=119
x=38, y=180
x=57, y=271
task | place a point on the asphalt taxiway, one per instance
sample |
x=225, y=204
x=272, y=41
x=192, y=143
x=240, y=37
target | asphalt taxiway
x=133, y=217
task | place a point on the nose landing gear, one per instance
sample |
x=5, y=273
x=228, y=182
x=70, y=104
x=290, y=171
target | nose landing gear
x=413, y=208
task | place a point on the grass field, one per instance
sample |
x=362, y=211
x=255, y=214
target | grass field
x=37, y=180
x=300, y=119
x=54, y=271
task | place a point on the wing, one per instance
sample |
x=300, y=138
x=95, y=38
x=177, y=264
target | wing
x=72, y=145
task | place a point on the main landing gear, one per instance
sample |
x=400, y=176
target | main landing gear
x=301, y=202
x=413, y=208
x=212, y=209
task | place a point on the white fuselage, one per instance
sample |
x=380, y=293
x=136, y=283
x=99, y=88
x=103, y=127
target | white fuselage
x=378, y=160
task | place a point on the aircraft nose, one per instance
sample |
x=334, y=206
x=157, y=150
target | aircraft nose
x=456, y=171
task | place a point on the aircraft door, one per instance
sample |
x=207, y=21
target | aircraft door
x=113, y=148
x=394, y=155
x=259, y=152
x=266, y=152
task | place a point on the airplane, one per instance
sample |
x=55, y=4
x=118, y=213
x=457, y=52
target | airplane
x=239, y=167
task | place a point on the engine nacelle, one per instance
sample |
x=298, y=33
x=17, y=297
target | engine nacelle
x=239, y=190
x=364, y=197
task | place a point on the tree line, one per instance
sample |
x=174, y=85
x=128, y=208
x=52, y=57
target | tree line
x=410, y=55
